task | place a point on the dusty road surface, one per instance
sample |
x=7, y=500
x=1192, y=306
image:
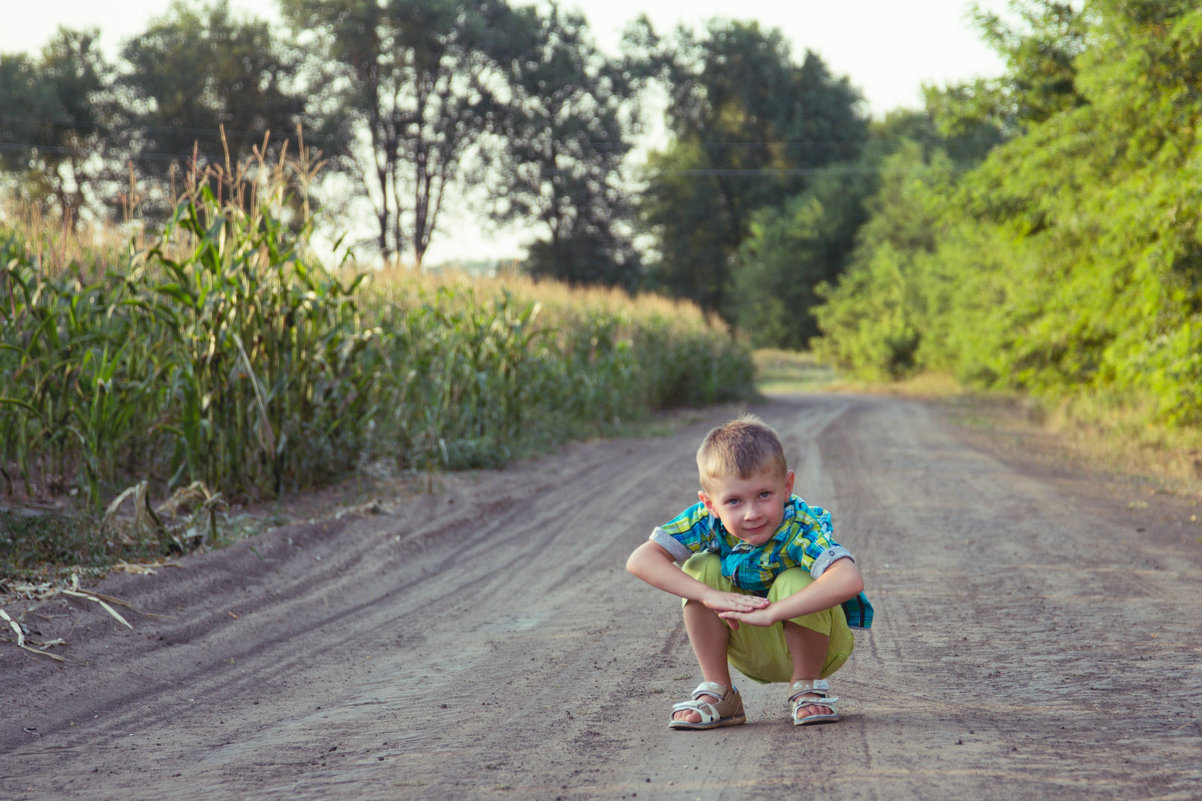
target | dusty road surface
x=1037, y=637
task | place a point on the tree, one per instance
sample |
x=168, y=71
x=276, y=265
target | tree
x=199, y=72
x=874, y=317
x=1040, y=52
x=564, y=145
x=749, y=128
x=56, y=120
x=790, y=252
x=1040, y=57
x=1067, y=263
x=414, y=86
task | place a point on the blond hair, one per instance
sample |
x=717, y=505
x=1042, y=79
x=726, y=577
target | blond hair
x=744, y=447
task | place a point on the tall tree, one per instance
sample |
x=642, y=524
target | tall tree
x=55, y=120
x=196, y=70
x=1040, y=49
x=875, y=317
x=415, y=84
x=790, y=252
x=1067, y=263
x=749, y=126
x=565, y=142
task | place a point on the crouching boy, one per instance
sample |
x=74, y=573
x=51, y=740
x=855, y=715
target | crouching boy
x=765, y=587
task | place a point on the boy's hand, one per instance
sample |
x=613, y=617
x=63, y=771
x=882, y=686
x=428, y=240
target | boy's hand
x=732, y=602
x=756, y=617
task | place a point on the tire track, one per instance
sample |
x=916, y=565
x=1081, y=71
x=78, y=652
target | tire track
x=485, y=642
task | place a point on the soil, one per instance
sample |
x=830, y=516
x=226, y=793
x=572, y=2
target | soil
x=1036, y=637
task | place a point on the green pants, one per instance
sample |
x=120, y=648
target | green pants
x=760, y=652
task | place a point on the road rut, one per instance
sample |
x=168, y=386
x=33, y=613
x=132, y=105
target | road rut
x=1036, y=637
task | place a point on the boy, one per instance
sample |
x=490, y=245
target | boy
x=763, y=584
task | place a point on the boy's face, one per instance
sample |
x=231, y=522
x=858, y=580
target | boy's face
x=750, y=508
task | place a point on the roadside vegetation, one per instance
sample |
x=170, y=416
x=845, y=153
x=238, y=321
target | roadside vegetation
x=1062, y=264
x=171, y=331
x=219, y=361
x=1065, y=263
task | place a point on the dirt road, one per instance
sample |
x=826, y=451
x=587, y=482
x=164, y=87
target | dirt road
x=1037, y=637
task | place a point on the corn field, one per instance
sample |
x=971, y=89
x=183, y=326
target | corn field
x=220, y=351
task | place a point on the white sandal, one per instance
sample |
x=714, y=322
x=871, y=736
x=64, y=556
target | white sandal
x=813, y=693
x=727, y=712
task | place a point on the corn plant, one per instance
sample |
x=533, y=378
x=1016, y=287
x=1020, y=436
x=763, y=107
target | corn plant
x=266, y=385
x=472, y=370
x=452, y=370
x=69, y=403
x=218, y=354
x=221, y=352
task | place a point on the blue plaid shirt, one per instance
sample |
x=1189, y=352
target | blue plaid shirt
x=803, y=540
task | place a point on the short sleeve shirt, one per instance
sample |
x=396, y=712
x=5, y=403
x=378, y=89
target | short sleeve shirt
x=804, y=539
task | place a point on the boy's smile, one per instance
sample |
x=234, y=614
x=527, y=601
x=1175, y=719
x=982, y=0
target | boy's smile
x=750, y=508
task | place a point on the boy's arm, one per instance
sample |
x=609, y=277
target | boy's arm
x=838, y=583
x=654, y=565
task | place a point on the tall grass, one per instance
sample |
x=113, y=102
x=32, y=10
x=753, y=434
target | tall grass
x=217, y=349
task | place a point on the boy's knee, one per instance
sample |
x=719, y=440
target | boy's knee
x=705, y=567
x=789, y=582
x=794, y=580
x=820, y=622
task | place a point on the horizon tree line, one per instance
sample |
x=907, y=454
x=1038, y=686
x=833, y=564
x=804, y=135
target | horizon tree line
x=423, y=105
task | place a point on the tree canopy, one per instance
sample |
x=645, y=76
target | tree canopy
x=565, y=140
x=419, y=81
x=197, y=72
x=750, y=127
x=1068, y=262
x=55, y=121
x=511, y=110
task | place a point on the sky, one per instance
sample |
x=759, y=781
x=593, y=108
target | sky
x=888, y=49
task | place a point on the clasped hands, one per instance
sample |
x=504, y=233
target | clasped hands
x=736, y=608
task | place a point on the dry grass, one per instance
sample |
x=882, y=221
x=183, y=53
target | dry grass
x=1109, y=441
x=783, y=371
x=1112, y=438
x=1123, y=442
x=400, y=284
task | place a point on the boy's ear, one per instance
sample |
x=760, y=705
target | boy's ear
x=789, y=483
x=705, y=499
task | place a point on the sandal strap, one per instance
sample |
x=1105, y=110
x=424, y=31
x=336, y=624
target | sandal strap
x=799, y=701
x=711, y=688
x=706, y=709
x=703, y=708
x=812, y=693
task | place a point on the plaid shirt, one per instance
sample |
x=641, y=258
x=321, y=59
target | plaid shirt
x=803, y=540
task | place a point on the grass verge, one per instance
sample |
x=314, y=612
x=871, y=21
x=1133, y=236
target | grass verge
x=1079, y=432
x=782, y=371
